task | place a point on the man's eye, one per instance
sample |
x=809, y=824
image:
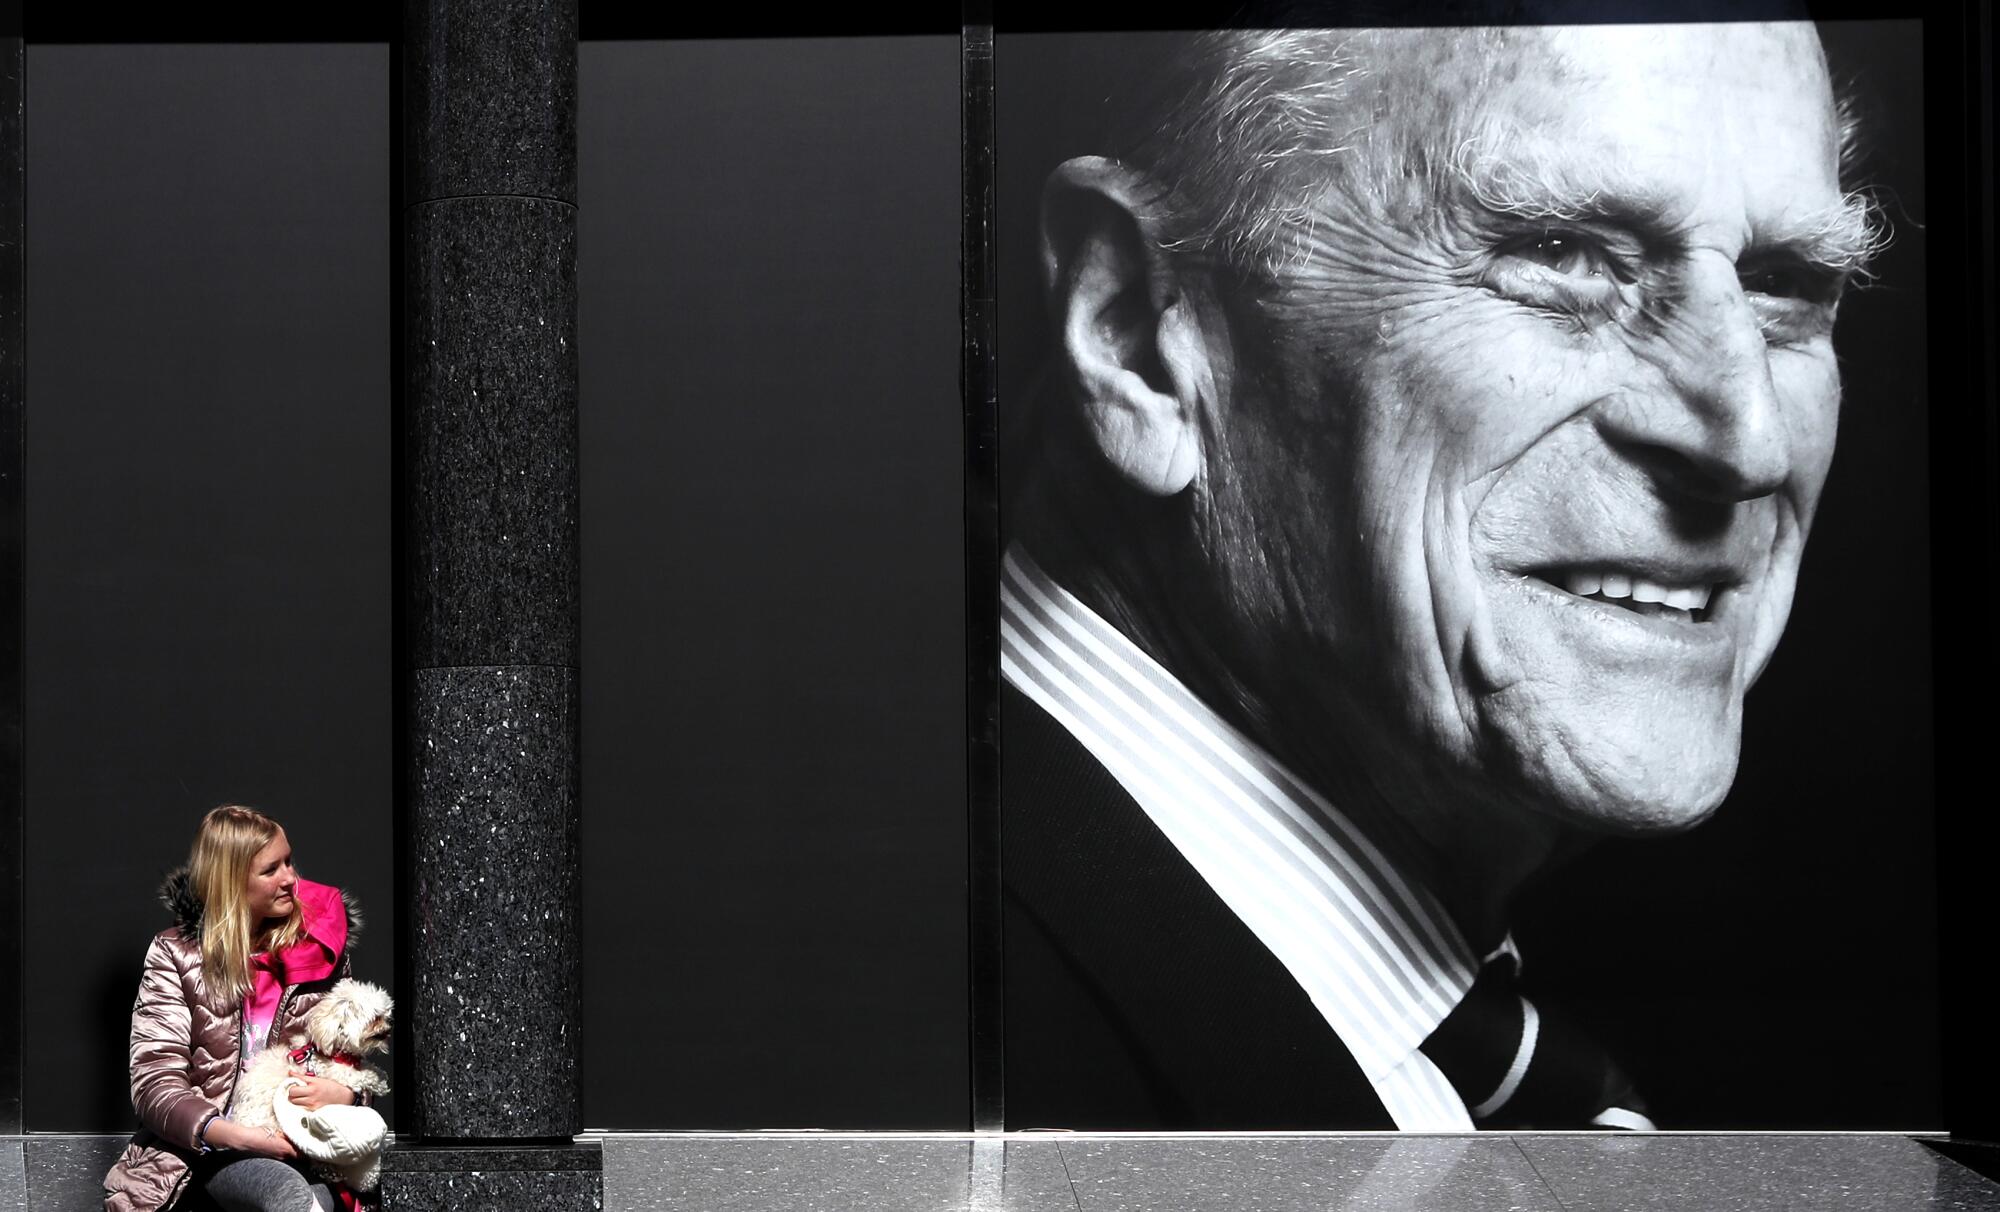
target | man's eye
x=1565, y=272
x=1787, y=279
x=1794, y=301
x=1564, y=253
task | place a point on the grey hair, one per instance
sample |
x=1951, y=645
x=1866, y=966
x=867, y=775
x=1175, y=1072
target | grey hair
x=1267, y=118
x=1257, y=131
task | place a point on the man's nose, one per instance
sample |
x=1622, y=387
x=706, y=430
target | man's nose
x=1716, y=430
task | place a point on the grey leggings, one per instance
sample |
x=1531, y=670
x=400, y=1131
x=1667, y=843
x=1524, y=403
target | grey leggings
x=265, y=1184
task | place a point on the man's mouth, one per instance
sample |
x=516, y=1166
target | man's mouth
x=1686, y=602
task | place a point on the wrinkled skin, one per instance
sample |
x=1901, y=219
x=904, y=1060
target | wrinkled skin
x=1451, y=398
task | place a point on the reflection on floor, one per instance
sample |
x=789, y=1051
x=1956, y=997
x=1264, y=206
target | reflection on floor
x=1065, y=1173
x=1060, y=1172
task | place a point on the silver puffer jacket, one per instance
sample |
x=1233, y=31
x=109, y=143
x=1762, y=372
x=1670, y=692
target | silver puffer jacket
x=184, y=1053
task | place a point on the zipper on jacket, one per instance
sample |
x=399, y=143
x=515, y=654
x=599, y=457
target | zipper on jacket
x=236, y=1070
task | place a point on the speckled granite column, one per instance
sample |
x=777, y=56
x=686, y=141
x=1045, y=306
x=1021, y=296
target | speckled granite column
x=492, y=994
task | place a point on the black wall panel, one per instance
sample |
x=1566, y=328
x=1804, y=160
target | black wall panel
x=773, y=662
x=208, y=603
x=10, y=579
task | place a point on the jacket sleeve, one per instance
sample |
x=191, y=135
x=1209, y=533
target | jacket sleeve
x=163, y=1092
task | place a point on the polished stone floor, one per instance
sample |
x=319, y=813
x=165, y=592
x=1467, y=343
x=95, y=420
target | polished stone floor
x=1059, y=1172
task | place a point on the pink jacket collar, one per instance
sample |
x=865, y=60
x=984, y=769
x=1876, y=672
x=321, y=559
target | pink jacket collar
x=313, y=957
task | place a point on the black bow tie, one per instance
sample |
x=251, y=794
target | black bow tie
x=1519, y=1066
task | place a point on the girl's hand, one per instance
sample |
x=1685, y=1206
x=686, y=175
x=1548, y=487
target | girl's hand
x=312, y=1093
x=269, y=1144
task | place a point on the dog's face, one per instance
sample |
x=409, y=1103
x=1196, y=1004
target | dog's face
x=353, y=1018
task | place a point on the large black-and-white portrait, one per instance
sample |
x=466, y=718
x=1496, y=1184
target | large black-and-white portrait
x=1464, y=624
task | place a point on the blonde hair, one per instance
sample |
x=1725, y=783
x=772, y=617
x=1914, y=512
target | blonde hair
x=219, y=873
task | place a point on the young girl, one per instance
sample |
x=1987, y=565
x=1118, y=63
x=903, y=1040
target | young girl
x=254, y=948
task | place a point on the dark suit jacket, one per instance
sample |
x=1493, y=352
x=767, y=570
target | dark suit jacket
x=1135, y=998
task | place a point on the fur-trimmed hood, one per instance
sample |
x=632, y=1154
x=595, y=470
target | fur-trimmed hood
x=178, y=895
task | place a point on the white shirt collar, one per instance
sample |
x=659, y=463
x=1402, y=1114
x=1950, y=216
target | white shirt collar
x=1375, y=951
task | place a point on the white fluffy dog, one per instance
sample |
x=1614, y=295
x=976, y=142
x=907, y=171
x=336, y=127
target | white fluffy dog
x=349, y=1023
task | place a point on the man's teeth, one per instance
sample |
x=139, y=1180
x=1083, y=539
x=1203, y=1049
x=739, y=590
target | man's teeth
x=1618, y=586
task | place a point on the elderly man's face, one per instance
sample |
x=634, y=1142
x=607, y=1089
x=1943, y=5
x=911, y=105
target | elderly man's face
x=1540, y=440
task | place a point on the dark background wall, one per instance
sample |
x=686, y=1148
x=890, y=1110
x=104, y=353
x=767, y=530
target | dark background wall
x=10, y=571
x=773, y=636
x=774, y=779
x=1777, y=967
x=208, y=602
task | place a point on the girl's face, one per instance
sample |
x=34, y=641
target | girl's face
x=272, y=880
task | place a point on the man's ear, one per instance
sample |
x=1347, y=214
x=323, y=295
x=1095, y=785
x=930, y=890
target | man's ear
x=1134, y=342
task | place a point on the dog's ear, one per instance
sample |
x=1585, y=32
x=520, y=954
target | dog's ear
x=319, y=1023
x=342, y=1015
x=330, y=1022
x=353, y=1019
